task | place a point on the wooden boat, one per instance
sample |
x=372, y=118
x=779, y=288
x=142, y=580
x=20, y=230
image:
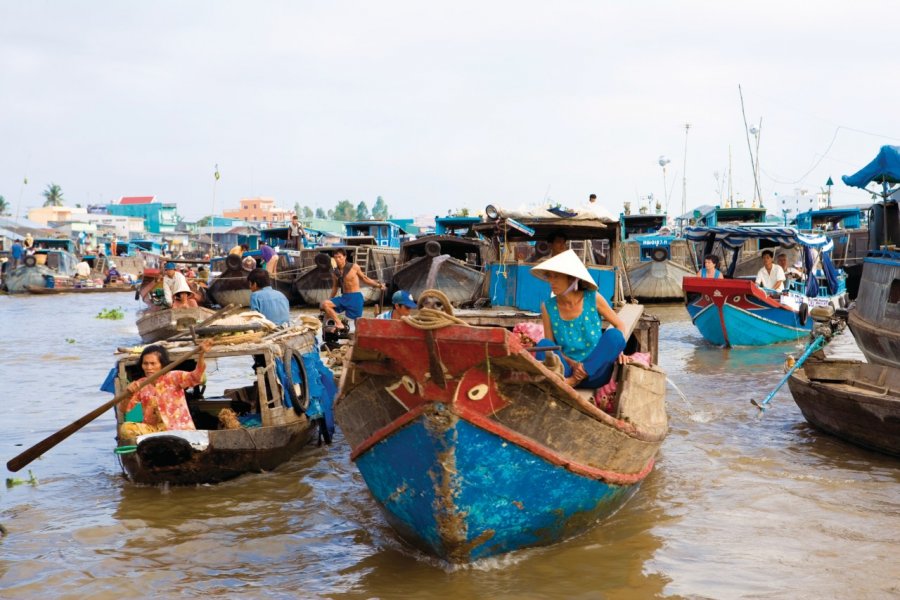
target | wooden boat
x=875, y=318
x=472, y=448
x=452, y=264
x=735, y=312
x=314, y=282
x=278, y=414
x=231, y=286
x=655, y=259
x=159, y=323
x=74, y=289
x=41, y=270
x=853, y=400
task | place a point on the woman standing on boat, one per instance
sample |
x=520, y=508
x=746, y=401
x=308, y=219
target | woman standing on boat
x=710, y=268
x=572, y=320
x=164, y=404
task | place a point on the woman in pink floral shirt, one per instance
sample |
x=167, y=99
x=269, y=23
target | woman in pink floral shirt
x=164, y=405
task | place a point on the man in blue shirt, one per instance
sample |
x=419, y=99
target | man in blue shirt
x=270, y=302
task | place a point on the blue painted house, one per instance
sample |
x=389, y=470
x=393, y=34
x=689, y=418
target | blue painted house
x=158, y=217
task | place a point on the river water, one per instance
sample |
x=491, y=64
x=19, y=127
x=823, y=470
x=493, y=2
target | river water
x=739, y=505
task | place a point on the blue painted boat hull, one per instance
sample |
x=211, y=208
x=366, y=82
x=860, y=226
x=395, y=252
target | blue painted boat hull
x=462, y=493
x=747, y=328
x=497, y=454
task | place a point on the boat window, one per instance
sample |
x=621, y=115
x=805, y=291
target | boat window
x=894, y=295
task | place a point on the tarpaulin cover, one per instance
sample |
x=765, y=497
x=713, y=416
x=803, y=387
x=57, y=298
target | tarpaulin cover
x=885, y=168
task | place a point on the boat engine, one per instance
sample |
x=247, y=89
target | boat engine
x=331, y=335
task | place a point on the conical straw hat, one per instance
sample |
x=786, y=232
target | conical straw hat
x=566, y=263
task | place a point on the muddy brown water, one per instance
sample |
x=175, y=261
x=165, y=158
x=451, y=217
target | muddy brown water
x=739, y=506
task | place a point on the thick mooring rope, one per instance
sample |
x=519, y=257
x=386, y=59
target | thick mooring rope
x=430, y=318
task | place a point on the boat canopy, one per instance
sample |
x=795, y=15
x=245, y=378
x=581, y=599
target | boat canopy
x=885, y=168
x=734, y=237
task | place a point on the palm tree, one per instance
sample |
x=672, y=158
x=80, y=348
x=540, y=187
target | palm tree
x=4, y=207
x=53, y=195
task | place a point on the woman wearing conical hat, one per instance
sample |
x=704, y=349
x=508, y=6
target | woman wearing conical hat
x=572, y=320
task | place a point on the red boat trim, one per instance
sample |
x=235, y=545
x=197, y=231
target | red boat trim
x=721, y=309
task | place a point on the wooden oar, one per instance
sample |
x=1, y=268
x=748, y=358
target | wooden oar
x=49, y=442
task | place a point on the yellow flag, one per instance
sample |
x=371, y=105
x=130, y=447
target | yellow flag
x=217, y=172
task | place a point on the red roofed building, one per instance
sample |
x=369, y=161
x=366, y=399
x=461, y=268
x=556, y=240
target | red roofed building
x=137, y=199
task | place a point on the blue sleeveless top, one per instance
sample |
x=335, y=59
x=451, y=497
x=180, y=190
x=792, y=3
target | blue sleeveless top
x=580, y=335
x=715, y=276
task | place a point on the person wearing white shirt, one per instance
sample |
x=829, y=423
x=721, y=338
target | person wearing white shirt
x=173, y=283
x=83, y=270
x=770, y=276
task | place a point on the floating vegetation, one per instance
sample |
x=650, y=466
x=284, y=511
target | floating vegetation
x=114, y=314
x=14, y=481
x=70, y=341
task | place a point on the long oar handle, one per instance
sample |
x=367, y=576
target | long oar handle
x=813, y=346
x=52, y=440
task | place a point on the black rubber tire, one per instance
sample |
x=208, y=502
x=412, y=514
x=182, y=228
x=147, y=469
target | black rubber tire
x=659, y=254
x=803, y=313
x=432, y=248
x=296, y=401
x=30, y=261
x=323, y=261
x=542, y=248
x=233, y=262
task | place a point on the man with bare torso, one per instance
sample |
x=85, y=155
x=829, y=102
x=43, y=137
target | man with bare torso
x=346, y=278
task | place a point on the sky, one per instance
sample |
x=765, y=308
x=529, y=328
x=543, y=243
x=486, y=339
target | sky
x=438, y=105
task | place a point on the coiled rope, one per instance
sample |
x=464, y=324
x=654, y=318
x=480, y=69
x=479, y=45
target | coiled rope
x=430, y=318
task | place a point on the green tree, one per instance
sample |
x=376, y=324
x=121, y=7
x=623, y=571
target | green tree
x=297, y=209
x=321, y=214
x=379, y=209
x=362, y=211
x=53, y=195
x=307, y=212
x=344, y=211
x=204, y=222
x=4, y=207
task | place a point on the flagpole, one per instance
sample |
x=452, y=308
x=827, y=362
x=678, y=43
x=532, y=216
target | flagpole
x=212, y=217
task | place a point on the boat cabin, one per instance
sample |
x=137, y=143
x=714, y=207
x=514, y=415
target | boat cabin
x=522, y=243
x=459, y=226
x=831, y=219
x=724, y=216
x=383, y=233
